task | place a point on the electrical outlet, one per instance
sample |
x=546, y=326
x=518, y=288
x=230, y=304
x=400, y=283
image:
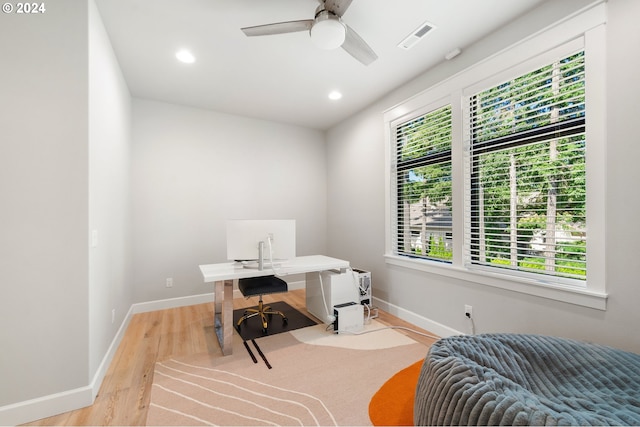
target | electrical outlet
x=169, y=282
x=468, y=311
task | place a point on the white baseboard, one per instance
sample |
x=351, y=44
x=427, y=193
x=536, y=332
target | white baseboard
x=425, y=323
x=96, y=382
x=45, y=406
x=163, y=304
x=70, y=400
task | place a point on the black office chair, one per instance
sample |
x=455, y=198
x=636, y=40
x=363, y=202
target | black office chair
x=259, y=286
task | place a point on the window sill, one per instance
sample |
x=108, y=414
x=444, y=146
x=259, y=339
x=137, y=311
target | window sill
x=557, y=292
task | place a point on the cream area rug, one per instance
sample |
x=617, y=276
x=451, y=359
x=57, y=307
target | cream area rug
x=316, y=378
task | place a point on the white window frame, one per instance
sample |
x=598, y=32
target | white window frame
x=586, y=30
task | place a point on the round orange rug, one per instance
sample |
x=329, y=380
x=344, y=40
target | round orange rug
x=392, y=405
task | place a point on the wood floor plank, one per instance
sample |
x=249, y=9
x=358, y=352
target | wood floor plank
x=152, y=337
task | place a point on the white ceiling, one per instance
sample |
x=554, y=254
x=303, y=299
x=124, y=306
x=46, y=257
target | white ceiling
x=284, y=77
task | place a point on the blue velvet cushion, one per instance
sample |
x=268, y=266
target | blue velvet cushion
x=513, y=379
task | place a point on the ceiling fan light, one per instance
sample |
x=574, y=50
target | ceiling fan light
x=328, y=34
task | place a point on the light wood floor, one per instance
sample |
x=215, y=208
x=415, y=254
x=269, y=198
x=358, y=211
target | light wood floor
x=151, y=337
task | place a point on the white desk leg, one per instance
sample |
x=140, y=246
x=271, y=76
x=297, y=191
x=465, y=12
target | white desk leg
x=223, y=315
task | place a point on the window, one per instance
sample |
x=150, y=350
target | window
x=496, y=174
x=527, y=186
x=423, y=186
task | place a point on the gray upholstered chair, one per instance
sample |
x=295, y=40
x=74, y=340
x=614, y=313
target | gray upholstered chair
x=259, y=286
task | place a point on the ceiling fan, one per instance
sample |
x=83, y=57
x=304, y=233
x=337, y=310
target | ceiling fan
x=327, y=30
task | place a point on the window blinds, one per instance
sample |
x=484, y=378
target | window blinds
x=526, y=190
x=423, y=186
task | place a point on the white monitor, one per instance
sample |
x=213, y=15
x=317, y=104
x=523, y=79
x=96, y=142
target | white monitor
x=244, y=237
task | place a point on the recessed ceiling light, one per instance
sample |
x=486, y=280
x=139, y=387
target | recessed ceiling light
x=185, y=56
x=335, y=95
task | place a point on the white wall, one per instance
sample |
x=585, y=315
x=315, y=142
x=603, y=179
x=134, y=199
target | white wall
x=623, y=174
x=356, y=224
x=44, y=316
x=110, y=268
x=65, y=122
x=192, y=169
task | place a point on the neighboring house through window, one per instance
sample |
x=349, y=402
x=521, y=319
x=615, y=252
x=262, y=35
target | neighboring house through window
x=423, y=159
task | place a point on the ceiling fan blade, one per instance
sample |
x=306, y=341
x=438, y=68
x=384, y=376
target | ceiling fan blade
x=278, y=28
x=339, y=7
x=358, y=48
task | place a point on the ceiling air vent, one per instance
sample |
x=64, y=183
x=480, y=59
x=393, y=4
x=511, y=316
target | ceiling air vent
x=416, y=36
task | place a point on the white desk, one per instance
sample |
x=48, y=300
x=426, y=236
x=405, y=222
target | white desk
x=224, y=275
